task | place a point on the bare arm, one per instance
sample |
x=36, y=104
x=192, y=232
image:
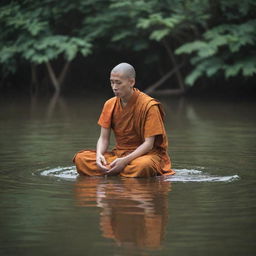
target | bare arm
x=144, y=148
x=120, y=163
x=102, y=146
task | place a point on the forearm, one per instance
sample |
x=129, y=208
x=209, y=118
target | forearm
x=144, y=148
x=102, y=146
x=103, y=141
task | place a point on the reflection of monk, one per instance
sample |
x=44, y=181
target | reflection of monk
x=137, y=122
x=133, y=211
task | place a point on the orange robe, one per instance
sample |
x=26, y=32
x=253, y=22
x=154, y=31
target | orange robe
x=142, y=117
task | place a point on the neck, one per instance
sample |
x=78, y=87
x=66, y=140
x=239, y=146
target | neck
x=125, y=99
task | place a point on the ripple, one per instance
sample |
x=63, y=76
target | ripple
x=192, y=175
x=68, y=172
x=182, y=175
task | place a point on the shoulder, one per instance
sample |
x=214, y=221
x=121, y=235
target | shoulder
x=106, y=114
x=147, y=101
x=110, y=102
x=144, y=97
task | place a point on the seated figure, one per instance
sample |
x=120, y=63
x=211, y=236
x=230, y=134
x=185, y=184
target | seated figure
x=137, y=122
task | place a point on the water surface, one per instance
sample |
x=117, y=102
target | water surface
x=208, y=208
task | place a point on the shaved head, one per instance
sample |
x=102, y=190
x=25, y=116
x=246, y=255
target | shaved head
x=126, y=69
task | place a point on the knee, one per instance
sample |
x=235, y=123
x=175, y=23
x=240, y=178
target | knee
x=85, y=163
x=141, y=167
x=78, y=157
x=79, y=162
x=83, y=159
x=84, y=155
x=144, y=162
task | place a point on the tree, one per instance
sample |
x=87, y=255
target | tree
x=213, y=36
x=36, y=32
x=170, y=23
x=135, y=24
x=228, y=45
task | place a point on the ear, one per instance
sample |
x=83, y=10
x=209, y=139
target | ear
x=132, y=82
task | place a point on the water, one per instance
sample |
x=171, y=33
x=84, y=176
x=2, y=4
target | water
x=207, y=208
x=182, y=175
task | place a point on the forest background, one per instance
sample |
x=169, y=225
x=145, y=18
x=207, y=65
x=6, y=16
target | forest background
x=176, y=46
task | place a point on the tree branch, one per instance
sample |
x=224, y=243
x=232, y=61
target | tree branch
x=152, y=88
x=178, y=74
x=53, y=77
x=63, y=72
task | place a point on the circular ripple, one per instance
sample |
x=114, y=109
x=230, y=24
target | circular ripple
x=182, y=175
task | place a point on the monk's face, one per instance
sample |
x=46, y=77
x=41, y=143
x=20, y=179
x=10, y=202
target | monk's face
x=121, y=85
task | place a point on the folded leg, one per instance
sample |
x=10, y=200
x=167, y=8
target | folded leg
x=143, y=166
x=85, y=162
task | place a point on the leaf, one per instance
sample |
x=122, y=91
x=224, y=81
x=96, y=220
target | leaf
x=85, y=51
x=214, y=65
x=158, y=35
x=143, y=23
x=191, y=47
x=193, y=76
x=249, y=71
x=35, y=27
x=71, y=51
x=121, y=35
x=207, y=51
x=232, y=70
x=29, y=54
x=249, y=67
x=6, y=53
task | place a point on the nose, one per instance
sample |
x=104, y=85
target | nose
x=114, y=87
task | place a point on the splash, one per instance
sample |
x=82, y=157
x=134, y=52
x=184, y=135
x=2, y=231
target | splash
x=192, y=175
x=61, y=172
x=182, y=175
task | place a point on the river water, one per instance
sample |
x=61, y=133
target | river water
x=207, y=208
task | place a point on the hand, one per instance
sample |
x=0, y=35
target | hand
x=117, y=166
x=101, y=163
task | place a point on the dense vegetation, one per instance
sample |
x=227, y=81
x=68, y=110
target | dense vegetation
x=174, y=43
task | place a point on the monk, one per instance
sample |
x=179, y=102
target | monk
x=137, y=122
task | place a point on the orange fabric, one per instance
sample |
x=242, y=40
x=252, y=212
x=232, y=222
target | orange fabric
x=142, y=117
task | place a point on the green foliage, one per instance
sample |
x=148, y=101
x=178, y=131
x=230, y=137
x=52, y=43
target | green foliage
x=216, y=36
x=173, y=19
x=163, y=26
x=36, y=33
x=115, y=24
x=228, y=47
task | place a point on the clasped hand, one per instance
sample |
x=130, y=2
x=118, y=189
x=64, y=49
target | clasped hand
x=114, y=168
x=117, y=166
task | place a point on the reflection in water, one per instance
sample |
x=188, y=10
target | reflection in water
x=56, y=100
x=209, y=142
x=133, y=211
x=56, y=105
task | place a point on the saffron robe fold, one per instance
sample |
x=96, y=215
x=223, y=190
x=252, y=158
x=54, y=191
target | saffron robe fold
x=142, y=117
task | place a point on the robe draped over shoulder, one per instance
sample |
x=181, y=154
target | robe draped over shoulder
x=142, y=117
